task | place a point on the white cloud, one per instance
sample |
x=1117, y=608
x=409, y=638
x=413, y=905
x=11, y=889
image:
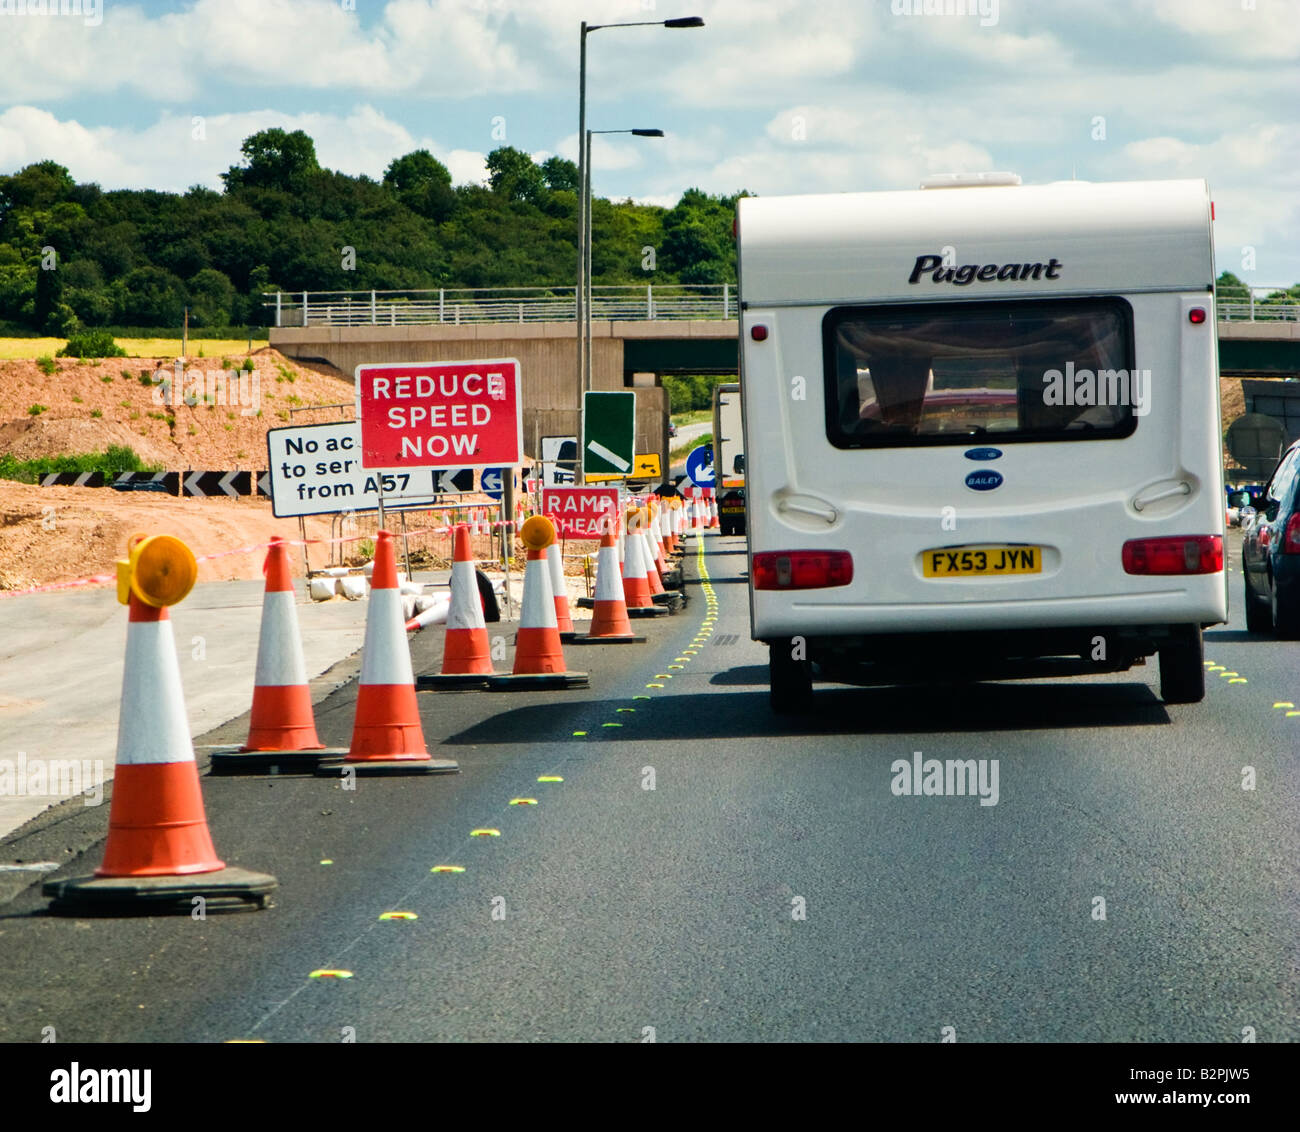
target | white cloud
x=166, y=156
x=444, y=48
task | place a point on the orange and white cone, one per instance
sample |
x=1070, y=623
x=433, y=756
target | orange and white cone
x=652, y=576
x=281, y=727
x=657, y=537
x=609, y=619
x=559, y=591
x=539, y=656
x=156, y=823
x=666, y=531
x=466, y=652
x=636, y=588
x=712, y=504
x=537, y=645
x=387, y=737
x=159, y=847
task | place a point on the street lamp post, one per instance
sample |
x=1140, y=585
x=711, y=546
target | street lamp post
x=584, y=218
x=588, y=242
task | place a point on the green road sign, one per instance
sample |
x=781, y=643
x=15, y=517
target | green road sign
x=608, y=433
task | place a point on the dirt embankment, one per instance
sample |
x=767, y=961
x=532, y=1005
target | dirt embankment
x=208, y=418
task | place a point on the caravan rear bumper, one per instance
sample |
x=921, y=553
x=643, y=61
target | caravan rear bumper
x=817, y=614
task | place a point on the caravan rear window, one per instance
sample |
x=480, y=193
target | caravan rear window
x=942, y=373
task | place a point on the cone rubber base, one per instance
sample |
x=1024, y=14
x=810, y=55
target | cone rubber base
x=586, y=602
x=440, y=682
x=235, y=760
x=388, y=768
x=226, y=888
x=647, y=610
x=566, y=637
x=628, y=639
x=529, y=680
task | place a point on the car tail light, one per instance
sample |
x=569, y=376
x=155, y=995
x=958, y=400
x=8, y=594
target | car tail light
x=1175, y=554
x=1291, y=536
x=802, y=569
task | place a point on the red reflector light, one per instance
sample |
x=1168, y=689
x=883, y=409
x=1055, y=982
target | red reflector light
x=1291, y=536
x=758, y=333
x=1174, y=554
x=802, y=569
x=1196, y=316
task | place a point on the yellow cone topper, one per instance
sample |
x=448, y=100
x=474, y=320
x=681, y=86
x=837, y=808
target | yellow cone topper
x=537, y=533
x=159, y=569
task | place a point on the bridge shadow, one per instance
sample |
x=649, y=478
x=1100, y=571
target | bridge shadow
x=892, y=710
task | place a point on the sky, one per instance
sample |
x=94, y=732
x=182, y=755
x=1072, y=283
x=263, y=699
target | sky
x=772, y=96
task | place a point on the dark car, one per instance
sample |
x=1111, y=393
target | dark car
x=140, y=485
x=731, y=511
x=1270, y=553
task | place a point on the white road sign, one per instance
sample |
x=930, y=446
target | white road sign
x=316, y=470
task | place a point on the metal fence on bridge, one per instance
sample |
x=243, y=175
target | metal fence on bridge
x=463, y=306
x=704, y=302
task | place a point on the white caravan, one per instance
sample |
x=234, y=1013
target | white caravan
x=987, y=420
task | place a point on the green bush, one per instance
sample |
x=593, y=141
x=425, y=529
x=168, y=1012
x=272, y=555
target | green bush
x=248, y=365
x=36, y=410
x=47, y=364
x=116, y=458
x=92, y=344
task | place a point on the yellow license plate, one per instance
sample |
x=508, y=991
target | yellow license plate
x=982, y=561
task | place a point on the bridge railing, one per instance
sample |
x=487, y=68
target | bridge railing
x=464, y=306
x=699, y=302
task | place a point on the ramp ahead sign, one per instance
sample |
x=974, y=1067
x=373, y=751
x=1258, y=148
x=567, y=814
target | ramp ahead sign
x=440, y=414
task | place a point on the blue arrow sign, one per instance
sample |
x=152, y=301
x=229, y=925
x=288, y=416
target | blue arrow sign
x=699, y=465
x=491, y=481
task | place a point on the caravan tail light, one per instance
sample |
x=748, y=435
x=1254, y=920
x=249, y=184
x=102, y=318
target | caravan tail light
x=1177, y=554
x=802, y=569
x=1291, y=536
x=1196, y=316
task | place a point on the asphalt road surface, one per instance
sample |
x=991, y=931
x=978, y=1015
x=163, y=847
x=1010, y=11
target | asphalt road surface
x=770, y=886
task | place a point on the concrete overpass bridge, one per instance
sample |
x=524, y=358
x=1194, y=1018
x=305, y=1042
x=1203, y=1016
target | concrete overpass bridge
x=638, y=335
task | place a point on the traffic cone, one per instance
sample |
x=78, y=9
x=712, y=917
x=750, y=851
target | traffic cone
x=466, y=652
x=712, y=503
x=652, y=576
x=609, y=619
x=539, y=656
x=666, y=530
x=636, y=588
x=159, y=851
x=281, y=727
x=387, y=737
x=559, y=591
x=657, y=537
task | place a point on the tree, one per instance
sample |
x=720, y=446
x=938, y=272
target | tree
x=149, y=296
x=561, y=175
x=697, y=238
x=212, y=298
x=273, y=160
x=422, y=183
x=514, y=175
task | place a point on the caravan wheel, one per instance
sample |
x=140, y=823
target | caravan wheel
x=1182, y=666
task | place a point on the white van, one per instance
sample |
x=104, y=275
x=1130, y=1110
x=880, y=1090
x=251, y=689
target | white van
x=985, y=426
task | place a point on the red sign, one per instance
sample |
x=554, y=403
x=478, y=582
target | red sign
x=440, y=414
x=580, y=512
